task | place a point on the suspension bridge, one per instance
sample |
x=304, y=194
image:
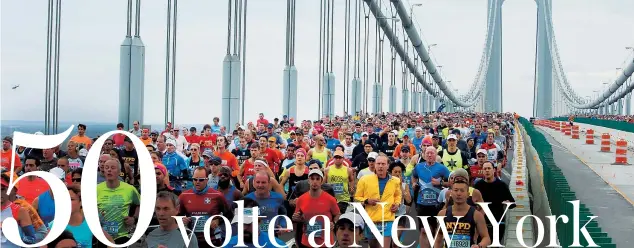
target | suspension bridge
x=373, y=29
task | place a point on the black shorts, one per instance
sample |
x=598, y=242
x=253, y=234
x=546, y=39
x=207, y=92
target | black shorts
x=432, y=212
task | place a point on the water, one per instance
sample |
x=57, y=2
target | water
x=93, y=129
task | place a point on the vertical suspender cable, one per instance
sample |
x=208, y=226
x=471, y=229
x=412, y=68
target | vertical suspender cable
x=244, y=57
x=174, y=35
x=292, y=32
x=535, y=86
x=47, y=95
x=235, y=25
x=346, y=56
x=321, y=54
x=366, y=30
x=57, y=55
x=167, y=59
x=229, y=28
x=137, y=27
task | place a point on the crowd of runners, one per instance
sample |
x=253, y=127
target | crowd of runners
x=435, y=164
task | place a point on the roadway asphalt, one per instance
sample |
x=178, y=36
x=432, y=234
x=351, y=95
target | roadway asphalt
x=616, y=215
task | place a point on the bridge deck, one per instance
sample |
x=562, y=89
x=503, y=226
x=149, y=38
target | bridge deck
x=616, y=214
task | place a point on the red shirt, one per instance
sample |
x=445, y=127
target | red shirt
x=32, y=189
x=263, y=121
x=5, y=161
x=326, y=205
x=271, y=158
x=208, y=204
x=193, y=139
x=118, y=139
x=207, y=142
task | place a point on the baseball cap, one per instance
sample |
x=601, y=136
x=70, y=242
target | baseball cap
x=272, y=138
x=427, y=140
x=452, y=136
x=270, y=125
x=225, y=170
x=455, y=131
x=83, y=152
x=338, y=153
x=316, y=171
x=215, y=160
x=419, y=129
x=364, y=134
x=355, y=218
x=170, y=142
x=373, y=155
x=481, y=151
x=58, y=172
x=208, y=153
x=405, y=149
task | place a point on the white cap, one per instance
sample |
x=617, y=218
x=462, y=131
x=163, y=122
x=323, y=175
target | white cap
x=83, y=152
x=364, y=134
x=170, y=142
x=395, y=132
x=58, y=172
x=316, y=171
x=483, y=151
x=356, y=219
x=373, y=155
x=452, y=136
x=419, y=129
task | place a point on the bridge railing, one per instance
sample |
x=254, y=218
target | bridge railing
x=618, y=125
x=559, y=194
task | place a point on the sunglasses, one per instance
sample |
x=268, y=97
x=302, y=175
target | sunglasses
x=224, y=175
x=199, y=179
x=371, y=160
x=77, y=180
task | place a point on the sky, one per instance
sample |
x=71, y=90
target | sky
x=591, y=35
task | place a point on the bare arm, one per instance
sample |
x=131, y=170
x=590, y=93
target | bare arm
x=439, y=237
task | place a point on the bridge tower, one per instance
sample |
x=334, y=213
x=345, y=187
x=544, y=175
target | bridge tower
x=544, y=83
x=493, y=89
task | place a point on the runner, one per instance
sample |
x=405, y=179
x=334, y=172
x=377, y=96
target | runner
x=452, y=157
x=315, y=202
x=225, y=186
x=342, y=180
x=168, y=234
x=349, y=230
x=205, y=202
x=396, y=170
x=118, y=203
x=462, y=230
x=495, y=191
x=29, y=226
x=428, y=179
x=271, y=203
x=381, y=188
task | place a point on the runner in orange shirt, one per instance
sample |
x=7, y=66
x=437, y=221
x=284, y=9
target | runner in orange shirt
x=5, y=156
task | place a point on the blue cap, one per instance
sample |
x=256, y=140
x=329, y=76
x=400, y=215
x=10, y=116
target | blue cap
x=270, y=125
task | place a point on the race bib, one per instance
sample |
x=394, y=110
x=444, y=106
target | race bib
x=338, y=188
x=317, y=227
x=460, y=241
x=200, y=225
x=264, y=226
x=428, y=197
x=111, y=227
